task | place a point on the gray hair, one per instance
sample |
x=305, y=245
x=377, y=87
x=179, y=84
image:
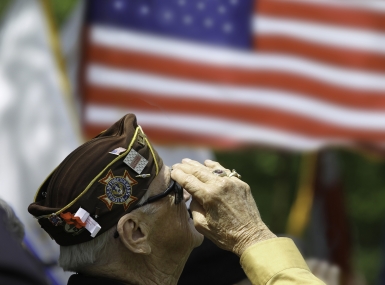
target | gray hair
x=95, y=252
x=12, y=222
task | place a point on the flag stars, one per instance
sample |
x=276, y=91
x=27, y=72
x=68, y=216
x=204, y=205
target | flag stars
x=167, y=15
x=208, y=23
x=144, y=10
x=118, y=5
x=202, y=20
x=227, y=28
x=187, y=20
x=201, y=5
x=222, y=9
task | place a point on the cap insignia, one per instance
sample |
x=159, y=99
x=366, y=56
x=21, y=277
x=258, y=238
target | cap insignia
x=78, y=222
x=143, y=175
x=55, y=220
x=118, y=190
x=118, y=150
x=141, y=139
x=135, y=161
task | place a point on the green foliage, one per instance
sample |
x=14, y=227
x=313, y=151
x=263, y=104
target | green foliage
x=368, y=262
x=3, y=6
x=272, y=177
x=62, y=9
x=364, y=182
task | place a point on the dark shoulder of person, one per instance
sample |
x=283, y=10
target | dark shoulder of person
x=17, y=267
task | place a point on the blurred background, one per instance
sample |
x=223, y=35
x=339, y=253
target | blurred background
x=291, y=94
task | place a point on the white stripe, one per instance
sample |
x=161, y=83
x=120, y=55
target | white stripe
x=331, y=35
x=209, y=126
x=229, y=58
x=292, y=103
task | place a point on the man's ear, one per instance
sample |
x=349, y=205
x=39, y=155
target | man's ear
x=134, y=234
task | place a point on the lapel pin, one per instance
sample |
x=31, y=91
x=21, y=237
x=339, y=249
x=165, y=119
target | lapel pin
x=143, y=175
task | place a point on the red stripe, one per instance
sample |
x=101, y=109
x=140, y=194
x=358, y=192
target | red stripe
x=343, y=57
x=324, y=14
x=168, y=136
x=245, y=78
x=273, y=118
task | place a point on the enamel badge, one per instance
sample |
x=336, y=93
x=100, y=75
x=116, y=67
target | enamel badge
x=118, y=150
x=118, y=190
x=135, y=161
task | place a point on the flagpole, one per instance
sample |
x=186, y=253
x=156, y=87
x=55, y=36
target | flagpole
x=54, y=41
x=299, y=215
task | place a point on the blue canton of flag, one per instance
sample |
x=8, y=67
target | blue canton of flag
x=219, y=22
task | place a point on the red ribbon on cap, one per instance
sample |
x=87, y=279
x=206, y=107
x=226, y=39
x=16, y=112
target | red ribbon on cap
x=72, y=220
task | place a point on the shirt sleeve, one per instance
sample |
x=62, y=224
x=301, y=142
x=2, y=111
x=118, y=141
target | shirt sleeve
x=276, y=261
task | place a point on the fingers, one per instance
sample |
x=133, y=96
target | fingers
x=207, y=164
x=197, y=179
x=190, y=183
x=213, y=164
x=196, y=169
x=199, y=216
x=192, y=162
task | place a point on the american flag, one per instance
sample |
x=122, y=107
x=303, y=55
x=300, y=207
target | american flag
x=290, y=74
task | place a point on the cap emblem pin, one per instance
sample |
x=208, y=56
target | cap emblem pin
x=118, y=190
x=135, y=161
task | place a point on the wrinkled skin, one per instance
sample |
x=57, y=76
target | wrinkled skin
x=223, y=208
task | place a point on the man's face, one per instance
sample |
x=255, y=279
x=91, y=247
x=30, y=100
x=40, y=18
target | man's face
x=172, y=227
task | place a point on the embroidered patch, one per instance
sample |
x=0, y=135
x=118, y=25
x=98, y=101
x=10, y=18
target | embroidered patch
x=135, y=161
x=118, y=150
x=141, y=139
x=89, y=223
x=118, y=190
x=71, y=229
x=55, y=220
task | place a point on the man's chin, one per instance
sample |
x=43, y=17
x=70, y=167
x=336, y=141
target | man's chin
x=199, y=240
x=197, y=237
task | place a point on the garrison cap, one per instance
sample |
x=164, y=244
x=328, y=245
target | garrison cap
x=97, y=184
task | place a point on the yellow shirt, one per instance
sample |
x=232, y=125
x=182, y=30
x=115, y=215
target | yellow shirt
x=276, y=261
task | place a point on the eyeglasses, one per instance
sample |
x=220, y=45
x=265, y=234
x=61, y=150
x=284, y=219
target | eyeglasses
x=174, y=186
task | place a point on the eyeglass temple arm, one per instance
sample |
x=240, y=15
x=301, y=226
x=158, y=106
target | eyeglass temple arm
x=154, y=198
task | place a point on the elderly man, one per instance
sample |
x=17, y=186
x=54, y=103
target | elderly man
x=118, y=215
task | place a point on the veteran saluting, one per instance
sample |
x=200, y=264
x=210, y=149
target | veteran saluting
x=119, y=216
